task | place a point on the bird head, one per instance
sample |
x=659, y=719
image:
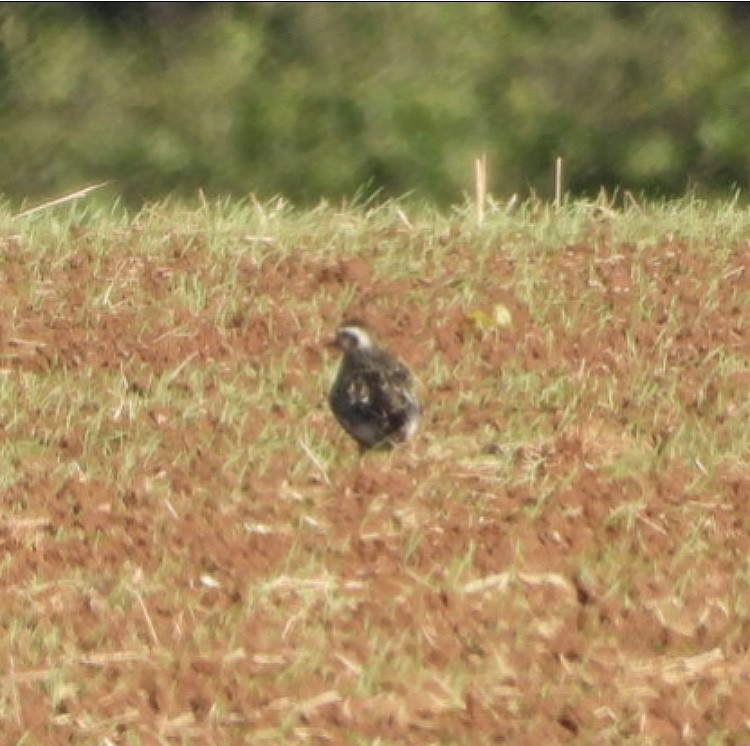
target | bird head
x=353, y=335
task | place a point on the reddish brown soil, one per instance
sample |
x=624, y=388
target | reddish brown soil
x=201, y=598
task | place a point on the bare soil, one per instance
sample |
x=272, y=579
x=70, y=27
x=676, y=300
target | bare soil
x=171, y=601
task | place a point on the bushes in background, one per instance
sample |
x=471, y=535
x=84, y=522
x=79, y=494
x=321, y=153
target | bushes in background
x=319, y=100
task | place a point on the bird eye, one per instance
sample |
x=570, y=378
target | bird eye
x=347, y=339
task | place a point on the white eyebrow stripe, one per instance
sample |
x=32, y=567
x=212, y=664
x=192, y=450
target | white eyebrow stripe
x=364, y=340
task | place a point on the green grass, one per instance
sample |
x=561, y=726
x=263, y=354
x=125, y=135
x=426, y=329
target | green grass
x=193, y=548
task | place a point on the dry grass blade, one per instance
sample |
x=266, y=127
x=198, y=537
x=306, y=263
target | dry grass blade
x=500, y=581
x=315, y=460
x=680, y=670
x=309, y=706
x=558, y=182
x=146, y=616
x=78, y=194
x=480, y=186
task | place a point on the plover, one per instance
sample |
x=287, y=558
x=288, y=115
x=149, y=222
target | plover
x=373, y=395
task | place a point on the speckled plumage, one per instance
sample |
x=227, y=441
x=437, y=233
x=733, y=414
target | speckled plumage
x=373, y=395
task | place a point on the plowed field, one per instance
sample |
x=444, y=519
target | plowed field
x=194, y=552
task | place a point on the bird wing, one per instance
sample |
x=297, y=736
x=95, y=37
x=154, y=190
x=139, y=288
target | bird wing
x=388, y=392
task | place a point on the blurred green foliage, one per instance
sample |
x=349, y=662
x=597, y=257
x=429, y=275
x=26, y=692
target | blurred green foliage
x=316, y=100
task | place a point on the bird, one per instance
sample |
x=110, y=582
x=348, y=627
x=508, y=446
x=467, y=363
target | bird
x=372, y=395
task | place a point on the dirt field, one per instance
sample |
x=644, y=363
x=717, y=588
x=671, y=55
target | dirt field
x=194, y=552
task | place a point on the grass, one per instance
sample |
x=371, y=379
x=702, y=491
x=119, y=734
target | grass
x=194, y=550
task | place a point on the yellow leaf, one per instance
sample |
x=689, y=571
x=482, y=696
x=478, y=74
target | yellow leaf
x=501, y=315
x=480, y=319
